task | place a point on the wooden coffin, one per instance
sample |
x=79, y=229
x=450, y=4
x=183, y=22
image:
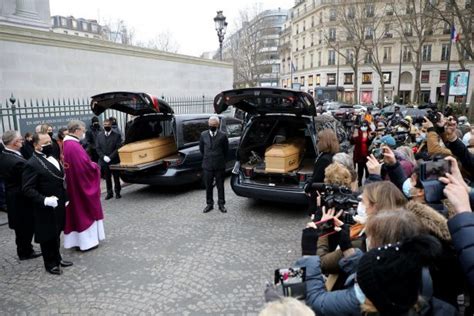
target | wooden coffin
x=146, y=151
x=284, y=157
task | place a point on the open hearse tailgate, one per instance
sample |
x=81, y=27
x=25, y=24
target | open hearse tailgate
x=266, y=100
x=133, y=103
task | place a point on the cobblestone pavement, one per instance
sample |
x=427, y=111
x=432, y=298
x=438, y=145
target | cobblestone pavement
x=163, y=256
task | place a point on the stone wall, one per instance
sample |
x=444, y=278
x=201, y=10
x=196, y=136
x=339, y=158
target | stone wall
x=40, y=64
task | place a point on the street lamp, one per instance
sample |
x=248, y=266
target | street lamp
x=221, y=26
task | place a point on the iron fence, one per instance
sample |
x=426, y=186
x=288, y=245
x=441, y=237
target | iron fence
x=24, y=115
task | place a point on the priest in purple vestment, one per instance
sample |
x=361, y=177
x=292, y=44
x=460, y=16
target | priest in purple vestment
x=84, y=226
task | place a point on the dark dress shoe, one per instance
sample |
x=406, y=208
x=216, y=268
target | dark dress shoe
x=109, y=196
x=55, y=270
x=222, y=209
x=34, y=254
x=65, y=263
x=208, y=208
x=118, y=196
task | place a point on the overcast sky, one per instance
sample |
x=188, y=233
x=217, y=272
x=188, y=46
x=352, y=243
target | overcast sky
x=190, y=21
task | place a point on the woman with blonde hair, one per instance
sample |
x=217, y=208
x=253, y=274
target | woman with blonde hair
x=346, y=161
x=388, y=277
x=376, y=197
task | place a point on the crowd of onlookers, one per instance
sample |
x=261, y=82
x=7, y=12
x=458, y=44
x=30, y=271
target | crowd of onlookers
x=410, y=247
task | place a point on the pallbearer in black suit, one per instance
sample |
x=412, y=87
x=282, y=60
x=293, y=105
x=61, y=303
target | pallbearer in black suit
x=20, y=217
x=214, y=146
x=44, y=185
x=107, y=145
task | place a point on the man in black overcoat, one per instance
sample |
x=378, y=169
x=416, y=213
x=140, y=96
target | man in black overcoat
x=107, y=145
x=91, y=136
x=214, y=147
x=20, y=217
x=44, y=185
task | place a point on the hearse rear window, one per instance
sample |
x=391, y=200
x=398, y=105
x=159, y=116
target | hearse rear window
x=192, y=130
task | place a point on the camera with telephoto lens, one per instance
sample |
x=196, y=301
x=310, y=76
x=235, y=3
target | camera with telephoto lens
x=339, y=198
x=433, y=116
x=401, y=138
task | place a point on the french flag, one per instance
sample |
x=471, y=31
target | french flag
x=454, y=34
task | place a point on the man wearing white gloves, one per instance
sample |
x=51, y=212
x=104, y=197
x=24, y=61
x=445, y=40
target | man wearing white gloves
x=107, y=145
x=44, y=185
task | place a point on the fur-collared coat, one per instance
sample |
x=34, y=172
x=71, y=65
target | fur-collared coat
x=446, y=272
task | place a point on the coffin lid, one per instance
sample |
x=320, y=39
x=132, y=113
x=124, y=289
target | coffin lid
x=133, y=103
x=146, y=144
x=266, y=100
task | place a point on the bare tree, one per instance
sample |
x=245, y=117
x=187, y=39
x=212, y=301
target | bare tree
x=377, y=27
x=245, y=47
x=118, y=31
x=455, y=13
x=163, y=41
x=352, y=30
x=460, y=15
x=416, y=24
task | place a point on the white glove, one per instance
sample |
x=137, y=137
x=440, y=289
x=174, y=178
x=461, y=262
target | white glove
x=51, y=201
x=106, y=159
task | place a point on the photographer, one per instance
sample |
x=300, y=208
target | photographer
x=375, y=197
x=458, y=148
x=433, y=140
x=346, y=160
x=377, y=286
x=390, y=168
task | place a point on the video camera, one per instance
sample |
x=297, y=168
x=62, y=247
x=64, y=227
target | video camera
x=339, y=198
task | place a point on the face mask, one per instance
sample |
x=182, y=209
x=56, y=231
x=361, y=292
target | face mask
x=83, y=136
x=107, y=128
x=213, y=128
x=421, y=138
x=47, y=150
x=359, y=294
x=50, y=134
x=401, y=130
x=407, y=188
x=361, y=209
x=363, y=128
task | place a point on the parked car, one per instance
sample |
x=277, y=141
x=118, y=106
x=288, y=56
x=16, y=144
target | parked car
x=389, y=110
x=331, y=107
x=358, y=109
x=344, y=110
x=155, y=118
x=270, y=113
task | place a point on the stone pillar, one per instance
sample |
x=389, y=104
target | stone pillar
x=26, y=9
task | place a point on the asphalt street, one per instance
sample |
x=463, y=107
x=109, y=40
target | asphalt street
x=161, y=256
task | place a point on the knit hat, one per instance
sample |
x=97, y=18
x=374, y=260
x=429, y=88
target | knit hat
x=389, y=141
x=390, y=276
x=94, y=119
x=309, y=240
